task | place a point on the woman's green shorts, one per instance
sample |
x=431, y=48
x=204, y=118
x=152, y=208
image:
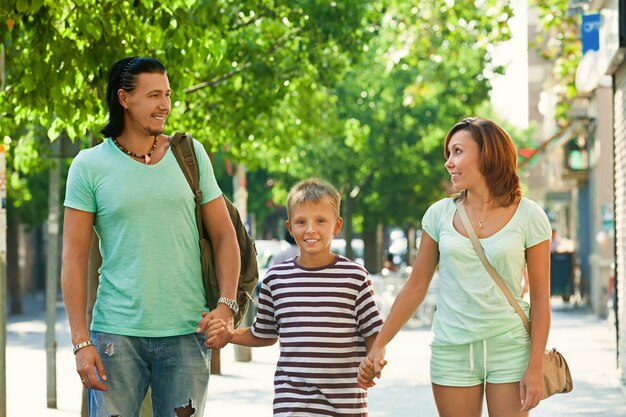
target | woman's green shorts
x=498, y=360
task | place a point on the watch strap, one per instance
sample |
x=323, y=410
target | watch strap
x=232, y=304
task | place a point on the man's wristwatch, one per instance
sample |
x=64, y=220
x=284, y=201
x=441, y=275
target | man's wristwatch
x=232, y=304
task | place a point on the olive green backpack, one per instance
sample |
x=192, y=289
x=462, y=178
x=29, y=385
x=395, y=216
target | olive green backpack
x=182, y=147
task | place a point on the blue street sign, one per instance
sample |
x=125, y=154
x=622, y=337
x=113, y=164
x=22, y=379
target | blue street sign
x=590, y=32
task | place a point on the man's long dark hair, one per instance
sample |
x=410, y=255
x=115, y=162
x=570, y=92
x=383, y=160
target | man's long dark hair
x=123, y=74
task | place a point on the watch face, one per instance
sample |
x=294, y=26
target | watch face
x=234, y=307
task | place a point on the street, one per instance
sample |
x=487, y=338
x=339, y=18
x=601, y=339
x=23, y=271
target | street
x=246, y=389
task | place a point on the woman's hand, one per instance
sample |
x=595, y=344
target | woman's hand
x=371, y=367
x=531, y=388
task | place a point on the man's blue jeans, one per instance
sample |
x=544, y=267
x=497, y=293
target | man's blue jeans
x=177, y=368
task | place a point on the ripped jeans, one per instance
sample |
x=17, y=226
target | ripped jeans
x=177, y=368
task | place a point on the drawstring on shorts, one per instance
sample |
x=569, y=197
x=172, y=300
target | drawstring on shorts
x=485, y=358
x=471, y=357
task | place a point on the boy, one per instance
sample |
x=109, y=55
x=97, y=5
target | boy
x=321, y=307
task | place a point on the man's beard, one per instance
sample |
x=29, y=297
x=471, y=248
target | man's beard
x=153, y=132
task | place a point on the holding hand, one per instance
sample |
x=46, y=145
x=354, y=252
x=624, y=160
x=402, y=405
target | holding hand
x=371, y=367
x=365, y=377
x=218, y=327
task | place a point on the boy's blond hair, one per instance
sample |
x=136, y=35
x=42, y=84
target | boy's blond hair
x=313, y=190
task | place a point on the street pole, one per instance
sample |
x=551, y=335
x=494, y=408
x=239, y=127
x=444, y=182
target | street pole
x=3, y=264
x=52, y=272
x=3, y=281
x=240, y=197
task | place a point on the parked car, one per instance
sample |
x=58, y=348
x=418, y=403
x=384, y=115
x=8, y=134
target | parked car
x=338, y=246
x=386, y=288
x=398, y=247
x=265, y=251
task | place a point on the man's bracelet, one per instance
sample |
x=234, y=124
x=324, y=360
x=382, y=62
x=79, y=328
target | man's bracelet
x=81, y=345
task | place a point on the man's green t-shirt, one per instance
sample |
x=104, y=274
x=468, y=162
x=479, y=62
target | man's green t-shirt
x=150, y=278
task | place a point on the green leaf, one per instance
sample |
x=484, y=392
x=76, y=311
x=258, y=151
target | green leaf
x=22, y=6
x=35, y=5
x=55, y=129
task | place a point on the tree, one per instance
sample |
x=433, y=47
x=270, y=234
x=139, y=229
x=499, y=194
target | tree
x=558, y=41
x=425, y=69
x=243, y=73
x=230, y=63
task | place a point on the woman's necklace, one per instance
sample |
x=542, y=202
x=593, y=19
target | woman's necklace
x=480, y=221
x=145, y=157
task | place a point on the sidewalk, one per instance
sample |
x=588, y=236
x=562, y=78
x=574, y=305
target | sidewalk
x=246, y=389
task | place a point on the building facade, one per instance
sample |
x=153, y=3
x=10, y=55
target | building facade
x=610, y=62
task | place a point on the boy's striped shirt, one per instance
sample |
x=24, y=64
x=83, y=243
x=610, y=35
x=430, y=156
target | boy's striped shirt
x=321, y=316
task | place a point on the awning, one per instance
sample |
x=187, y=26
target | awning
x=553, y=143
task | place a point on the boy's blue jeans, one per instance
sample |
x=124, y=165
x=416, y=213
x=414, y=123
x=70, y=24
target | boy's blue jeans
x=177, y=368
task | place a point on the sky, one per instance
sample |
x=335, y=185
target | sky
x=509, y=97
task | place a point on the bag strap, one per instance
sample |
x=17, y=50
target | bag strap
x=182, y=147
x=492, y=271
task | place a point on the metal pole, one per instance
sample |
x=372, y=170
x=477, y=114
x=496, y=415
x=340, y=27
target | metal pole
x=52, y=279
x=240, y=197
x=3, y=279
x=3, y=264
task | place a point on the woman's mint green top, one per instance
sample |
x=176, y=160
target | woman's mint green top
x=150, y=278
x=470, y=306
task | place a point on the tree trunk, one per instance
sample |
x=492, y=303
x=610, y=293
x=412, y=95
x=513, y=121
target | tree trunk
x=27, y=273
x=374, y=251
x=13, y=270
x=411, y=250
x=380, y=246
x=347, y=227
x=369, y=252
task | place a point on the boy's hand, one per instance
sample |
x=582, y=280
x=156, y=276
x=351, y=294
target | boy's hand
x=365, y=377
x=217, y=331
x=368, y=371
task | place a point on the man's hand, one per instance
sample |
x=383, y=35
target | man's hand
x=87, y=359
x=218, y=327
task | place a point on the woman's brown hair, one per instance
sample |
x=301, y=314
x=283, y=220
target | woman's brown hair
x=498, y=158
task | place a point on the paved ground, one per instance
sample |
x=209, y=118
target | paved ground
x=245, y=389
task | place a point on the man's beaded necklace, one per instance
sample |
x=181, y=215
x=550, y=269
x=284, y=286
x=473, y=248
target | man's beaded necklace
x=145, y=157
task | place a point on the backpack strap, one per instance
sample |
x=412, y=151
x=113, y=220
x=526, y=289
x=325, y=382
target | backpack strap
x=182, y=147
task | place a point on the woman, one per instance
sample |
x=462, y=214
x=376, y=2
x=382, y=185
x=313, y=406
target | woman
x=480, y=346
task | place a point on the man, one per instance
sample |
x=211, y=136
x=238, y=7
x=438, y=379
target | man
x=147, y=328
